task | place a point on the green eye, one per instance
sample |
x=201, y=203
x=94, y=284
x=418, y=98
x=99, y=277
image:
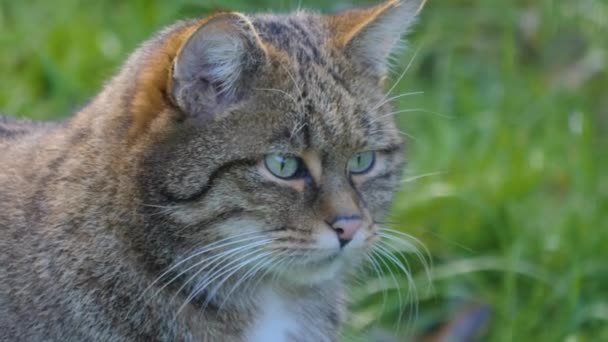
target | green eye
x=361, y=162
x=282, y=166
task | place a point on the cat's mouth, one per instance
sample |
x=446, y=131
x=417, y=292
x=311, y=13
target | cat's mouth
x=320, y=266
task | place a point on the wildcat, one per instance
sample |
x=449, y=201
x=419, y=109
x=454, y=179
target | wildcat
x=221, y=186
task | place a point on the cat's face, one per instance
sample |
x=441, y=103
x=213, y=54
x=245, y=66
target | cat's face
x=294, y=163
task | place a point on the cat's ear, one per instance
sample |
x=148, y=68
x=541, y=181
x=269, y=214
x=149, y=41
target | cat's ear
x=369, y=35
x=212, y=68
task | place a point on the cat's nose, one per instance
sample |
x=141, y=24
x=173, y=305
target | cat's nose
x=346, y=226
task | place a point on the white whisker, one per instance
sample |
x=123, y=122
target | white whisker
x=251, y=272
x=407, y=110
x=411, y=285
x=157, y=206
x=215, y=272
x=209, y=278
x=276, y=263
x=213, y=246
x=383, y=102
x=413, y=242
x=292, y=78
x=220, y=257
x=381, y=258
x=407, y=68
x=421, y=176
x=380, y=275
x=403, y=133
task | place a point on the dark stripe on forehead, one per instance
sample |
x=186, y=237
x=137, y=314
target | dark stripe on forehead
x=275, y=32
x=306, y=41
x=364, y=120
x=338, y=79
x=306, y=134
x=300, y=37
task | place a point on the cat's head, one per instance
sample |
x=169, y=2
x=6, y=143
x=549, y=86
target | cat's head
x=279, y=151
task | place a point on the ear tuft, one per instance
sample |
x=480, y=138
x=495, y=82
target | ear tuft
x=211, y=68
x=370, y=35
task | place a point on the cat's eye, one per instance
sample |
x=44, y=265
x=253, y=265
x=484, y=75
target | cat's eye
x=361, y=162
x=283, y=166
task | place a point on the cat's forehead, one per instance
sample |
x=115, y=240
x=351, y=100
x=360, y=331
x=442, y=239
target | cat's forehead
x=335, y=124
x=324, y=103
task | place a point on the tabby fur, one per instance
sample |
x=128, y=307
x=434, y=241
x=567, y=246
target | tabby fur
x=165, y=161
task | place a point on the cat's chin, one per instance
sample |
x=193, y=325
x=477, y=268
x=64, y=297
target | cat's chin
x=309, y=275
x=316, y=272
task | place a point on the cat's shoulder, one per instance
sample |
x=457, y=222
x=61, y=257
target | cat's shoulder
x=12, y=127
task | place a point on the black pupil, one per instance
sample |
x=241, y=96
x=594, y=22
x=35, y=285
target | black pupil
x=281, y=167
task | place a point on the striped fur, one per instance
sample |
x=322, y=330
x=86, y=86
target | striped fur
x=164, y=162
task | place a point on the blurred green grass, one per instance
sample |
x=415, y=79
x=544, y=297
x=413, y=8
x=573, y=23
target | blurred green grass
x=506, y=183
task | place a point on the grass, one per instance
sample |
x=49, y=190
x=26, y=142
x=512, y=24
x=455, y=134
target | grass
x=507, y=162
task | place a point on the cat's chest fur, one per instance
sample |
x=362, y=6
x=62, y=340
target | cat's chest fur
x=277, y=319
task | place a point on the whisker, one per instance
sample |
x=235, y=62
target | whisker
x=380, y=274
x=357, y=278
x=220, y=256
x=214, y=276
x=282, y=264
x=385, y=101
x=406, y=236
x=413, y=242
x=421, y=176
x=411, y=285
x=412, y=291
x=276, y=263
x=163, y=209
x=266, y=266
x=296, y=129
x=215, y=245
x=215, y=270
x=392, y=275
x=403, y=133
x=440, y=237
x=157, y=206
x=250, y=273
x=436, y=113
x=292, y=78
x=425, y=261
x=407, y=68
x=409, y=110
x=231, y=271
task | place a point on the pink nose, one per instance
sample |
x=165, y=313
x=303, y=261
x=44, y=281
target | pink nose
x=346, y=227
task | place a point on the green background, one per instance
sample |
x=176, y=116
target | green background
x=506, y=184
